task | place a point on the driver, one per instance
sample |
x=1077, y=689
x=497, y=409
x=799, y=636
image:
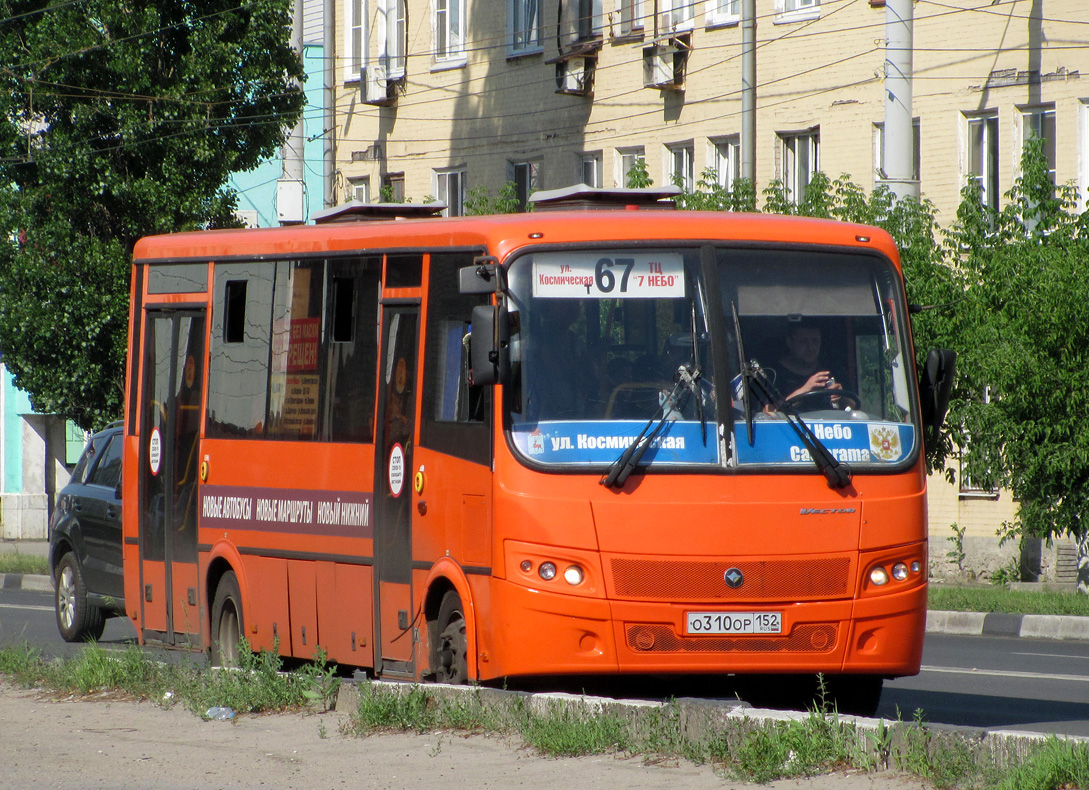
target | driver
x=800, y=370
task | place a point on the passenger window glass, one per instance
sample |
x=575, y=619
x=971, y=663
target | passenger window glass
x=239, y=353
x=352, y=351
x=108, y=471
x=294, y=372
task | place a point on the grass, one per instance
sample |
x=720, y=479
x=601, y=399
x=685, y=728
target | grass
x=748, y=750
x=988, y=598
x=14, y=562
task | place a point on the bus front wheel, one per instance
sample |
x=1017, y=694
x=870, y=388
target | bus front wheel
x=227, y=627
x=451, y=664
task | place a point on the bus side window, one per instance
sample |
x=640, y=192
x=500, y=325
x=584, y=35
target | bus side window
x=239, y=349
x=456, y=417
x=351, y=349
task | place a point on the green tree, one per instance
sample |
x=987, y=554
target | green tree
x=119, y=120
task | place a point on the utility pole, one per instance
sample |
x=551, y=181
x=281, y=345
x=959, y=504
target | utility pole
x=899, y=134
x=290, y=188
x=329, y=100
x=748, y=90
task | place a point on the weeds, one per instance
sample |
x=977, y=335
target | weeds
x=23, y=563
x=989, y=598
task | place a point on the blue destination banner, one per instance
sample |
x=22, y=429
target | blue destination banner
x=565, y=442
x=775, y=442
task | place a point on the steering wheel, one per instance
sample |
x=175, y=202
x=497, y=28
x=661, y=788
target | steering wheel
x=826, y=395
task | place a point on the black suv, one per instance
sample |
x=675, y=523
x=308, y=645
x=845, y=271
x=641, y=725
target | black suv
x=85, y=541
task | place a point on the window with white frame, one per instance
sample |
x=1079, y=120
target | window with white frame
x=626, y=160
x=450, y=189
x=679, y=166
x=359, y=189
x=799, y=6
x=631, y=17
x=1083, y=155
x=725, y=159
x=1038, y=123
x=355, y=38
x=524, y=176
x=879, y=149
x=525, y=25
x=395, y=37
x=723, y=12
x=449, y=30
x=677, y=14
x=589, y=20
x=591, y=169
x=982, y=156
x=800, y=160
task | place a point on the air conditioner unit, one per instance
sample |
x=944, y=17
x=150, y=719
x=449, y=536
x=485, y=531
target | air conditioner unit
x=376, y=85
x=575, y=76
x=663, y=66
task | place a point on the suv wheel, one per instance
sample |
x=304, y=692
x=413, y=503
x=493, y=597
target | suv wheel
x=77, y=619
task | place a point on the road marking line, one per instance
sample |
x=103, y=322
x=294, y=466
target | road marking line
x=28, y=607
x=1052, y=655
x=1004, y=673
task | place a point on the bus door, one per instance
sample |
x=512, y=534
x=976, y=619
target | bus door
x=393, y=489
x=169, y=451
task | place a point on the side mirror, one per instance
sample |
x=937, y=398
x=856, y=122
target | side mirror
x=489, y=346
x=481, y=278
x=936, y=386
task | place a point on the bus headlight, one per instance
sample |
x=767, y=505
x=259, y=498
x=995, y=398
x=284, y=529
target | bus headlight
x=573, y=575
x=899, y=571
x=547, y=571
x=879, y=576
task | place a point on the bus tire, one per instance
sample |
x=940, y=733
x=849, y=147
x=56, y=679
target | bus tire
x=78, y=619
x=450, y=655
x=227, y=626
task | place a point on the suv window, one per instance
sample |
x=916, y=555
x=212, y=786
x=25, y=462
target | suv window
x=108, y=470
x=86, y=461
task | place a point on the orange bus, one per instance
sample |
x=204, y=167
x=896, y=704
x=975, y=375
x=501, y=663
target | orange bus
x=570, y=441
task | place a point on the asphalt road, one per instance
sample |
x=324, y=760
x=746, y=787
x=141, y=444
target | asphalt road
x=977, y=681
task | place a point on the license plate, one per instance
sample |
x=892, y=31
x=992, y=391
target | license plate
x=733, y=623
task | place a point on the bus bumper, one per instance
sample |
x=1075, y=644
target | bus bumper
x=543, y=633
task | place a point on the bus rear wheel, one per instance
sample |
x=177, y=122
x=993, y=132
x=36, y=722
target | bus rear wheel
x=450, y=662
x=227, y=626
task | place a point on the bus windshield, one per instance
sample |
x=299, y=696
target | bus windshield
x=607, y=341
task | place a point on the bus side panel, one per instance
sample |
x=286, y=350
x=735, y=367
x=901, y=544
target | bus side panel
x=303, y=596
x=345, y=614
x=153, y=575
x=264, y=603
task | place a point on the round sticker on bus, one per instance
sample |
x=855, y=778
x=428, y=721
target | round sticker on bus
x=155, y=450
x=396, y=470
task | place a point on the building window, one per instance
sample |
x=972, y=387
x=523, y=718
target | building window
x=450, y=189
x=983, y=157
x=677, y=14
x=393, y=188
x=1039, y=124
x=801, y=159
x=723, y=12
x=355, y=44
x=879, y=150
x=798, y=6
x=725, y=160
x=626, y=160
x=395, y=38
x=525, y=24
x=680, y=170
x=631, y=17
x=524, y=176
x=449, y=30
x=1083, y=154
x=590, y=173
x=359, y=189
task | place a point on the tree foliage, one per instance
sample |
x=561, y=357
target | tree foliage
x=119, y=120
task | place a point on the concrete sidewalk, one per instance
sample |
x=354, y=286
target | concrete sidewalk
x=1037, y=626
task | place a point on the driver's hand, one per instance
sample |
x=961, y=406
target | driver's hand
x=820, y=380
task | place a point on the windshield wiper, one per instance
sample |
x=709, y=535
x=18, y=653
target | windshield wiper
x=694, y=385
x=837, y=473
x=620, y=469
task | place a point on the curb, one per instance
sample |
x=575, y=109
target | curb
x=25, y=581
x=1033, y=626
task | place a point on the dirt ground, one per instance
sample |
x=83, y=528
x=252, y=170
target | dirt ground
x=118, y=744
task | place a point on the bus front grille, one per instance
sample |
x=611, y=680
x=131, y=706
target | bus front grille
x=658, y=638
x=703, y=580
